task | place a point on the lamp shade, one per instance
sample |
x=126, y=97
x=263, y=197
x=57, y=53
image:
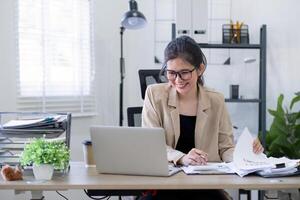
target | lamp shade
x=133, y=19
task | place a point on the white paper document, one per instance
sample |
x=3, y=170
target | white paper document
x=33, y=123
x=19, y=122
x=245, y=161
x=244, y=157
x=209, y=168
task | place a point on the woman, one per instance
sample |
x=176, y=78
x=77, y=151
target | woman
x=196, y=122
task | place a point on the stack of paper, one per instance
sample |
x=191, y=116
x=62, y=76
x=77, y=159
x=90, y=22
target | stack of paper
x=209, y=168
x=53, y=126
x=245, y=161
x=41, y=123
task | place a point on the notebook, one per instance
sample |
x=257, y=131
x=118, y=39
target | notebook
x=131, y=150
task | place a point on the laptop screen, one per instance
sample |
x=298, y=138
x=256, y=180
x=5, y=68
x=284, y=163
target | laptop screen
x=130, y=150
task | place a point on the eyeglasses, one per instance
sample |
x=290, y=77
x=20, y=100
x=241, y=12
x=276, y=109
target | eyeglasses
x=183, y=74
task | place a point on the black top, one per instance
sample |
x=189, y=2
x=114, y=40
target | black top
x=186, y=139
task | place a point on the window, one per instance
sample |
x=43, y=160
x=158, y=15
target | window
x=56, y=71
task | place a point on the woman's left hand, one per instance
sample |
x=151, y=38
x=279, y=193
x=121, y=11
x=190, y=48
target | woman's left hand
x=257, y=147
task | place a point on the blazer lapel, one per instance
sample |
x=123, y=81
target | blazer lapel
x=203, y=105
x=174, y=112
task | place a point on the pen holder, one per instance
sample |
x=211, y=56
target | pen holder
x=231, y=35
x=88, y=153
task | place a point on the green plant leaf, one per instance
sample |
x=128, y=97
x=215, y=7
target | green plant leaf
x=274, y=150
x=277, y=128
x=271, y=137
x=297, y=148
x=277, y=114
x=274, y=145
x=298, y=115
x=281, y=147
x=283, y=138
x=292, y=117
x=297, y=131
x=279, y=105
x=280, y=126
x=279, y=117
x=268, y=138
x=295, y=100
x=41, y=151
x=288, y=151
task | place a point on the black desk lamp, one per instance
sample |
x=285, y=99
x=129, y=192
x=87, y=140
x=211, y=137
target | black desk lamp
x=133, y=19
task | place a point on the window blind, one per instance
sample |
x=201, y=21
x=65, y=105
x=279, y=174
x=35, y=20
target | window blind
x=56, y=66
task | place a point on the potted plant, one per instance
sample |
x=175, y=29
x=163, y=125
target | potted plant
x=45, y=156
x=283, y=138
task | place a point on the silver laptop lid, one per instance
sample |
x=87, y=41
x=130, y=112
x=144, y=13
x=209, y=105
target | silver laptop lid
x=130, y=150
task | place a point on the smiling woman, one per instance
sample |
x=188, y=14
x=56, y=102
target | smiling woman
x=55, y=56
x=195, y=119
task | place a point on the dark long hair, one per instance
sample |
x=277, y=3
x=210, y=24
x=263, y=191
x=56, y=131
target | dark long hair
x=186, y=48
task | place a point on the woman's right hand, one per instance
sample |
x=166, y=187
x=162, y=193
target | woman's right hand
x=194, y=157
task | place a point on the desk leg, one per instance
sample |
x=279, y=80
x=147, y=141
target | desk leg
x=246, y=193
x=261, y=194
x=37, y=195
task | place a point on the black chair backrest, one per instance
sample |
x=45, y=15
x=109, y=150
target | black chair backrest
x=134, y=116
x=148, y=77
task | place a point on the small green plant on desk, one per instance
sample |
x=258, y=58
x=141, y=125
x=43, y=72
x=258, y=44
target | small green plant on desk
x=283, y=138
x=40, y=152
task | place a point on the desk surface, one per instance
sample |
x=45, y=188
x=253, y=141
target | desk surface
x=81, y=177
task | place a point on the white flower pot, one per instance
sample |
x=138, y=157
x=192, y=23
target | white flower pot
x=43, y=171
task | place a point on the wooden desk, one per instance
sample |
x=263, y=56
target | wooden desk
x=80, y=177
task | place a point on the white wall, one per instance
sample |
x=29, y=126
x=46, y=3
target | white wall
x=283, y=46
x=7, y=57
x=138, y=53
x=283, y=42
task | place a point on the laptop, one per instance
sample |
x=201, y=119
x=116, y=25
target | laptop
x=131, y=150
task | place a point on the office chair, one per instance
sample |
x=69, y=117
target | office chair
x=148, y=77
x=134, y=116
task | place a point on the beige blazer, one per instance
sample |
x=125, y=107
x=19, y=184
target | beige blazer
x=213, y=130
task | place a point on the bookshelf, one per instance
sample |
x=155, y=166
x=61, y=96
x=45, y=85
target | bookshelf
x=261, y=101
